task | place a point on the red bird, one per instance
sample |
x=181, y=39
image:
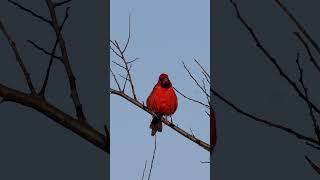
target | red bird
x=162, y=101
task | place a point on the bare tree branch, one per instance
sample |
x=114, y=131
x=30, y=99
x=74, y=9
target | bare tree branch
x=120, y=54
x=203, y=70
x=263, y=121
x=312, y=145
x=126, y=79
x=300, y=27
x=81, y=128
x=313, y=118
x=305, y=44
x=115, y=78
x=31, y=12
x=18, y=58
x=313, y=165
x=154, y=152
x=165, y=121
x=65, y=60
x=129, y=36
x=43, y=50
x=43, y=89
x=61, y=3
x=144, y=169
x=272, y=59
x=196, y=101
x=195, y=80
x=205, y=162
x=126, y=63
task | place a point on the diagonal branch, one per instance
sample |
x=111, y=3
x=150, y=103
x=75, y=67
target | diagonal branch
x=120, y=53
x=115, y=78
x=300, y=27
x=165, y=121
x=306, y=46
x=18, y=58
x=313, y=165
x=313, y=118
x=272, y=59
x=263, y=121
x=129, y=36
x=153, y=155
x=81, y=128
x=203, y=70
x=195, y=80
x=43, y=50
x=61, y=3
x=31, y=12
x=312, y=145
x=65, y=60
x=43, y=89
x=196, y=101
x=144, y=169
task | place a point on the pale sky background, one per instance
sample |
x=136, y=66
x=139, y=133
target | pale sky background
x=163, y=34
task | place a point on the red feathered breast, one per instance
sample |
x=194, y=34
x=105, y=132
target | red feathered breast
x=162, y=101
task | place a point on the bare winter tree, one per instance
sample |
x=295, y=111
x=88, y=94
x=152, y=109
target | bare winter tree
x=36, y=98
x=126, y=64
x=300, y=87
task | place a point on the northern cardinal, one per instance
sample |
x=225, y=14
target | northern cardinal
x=162, y=101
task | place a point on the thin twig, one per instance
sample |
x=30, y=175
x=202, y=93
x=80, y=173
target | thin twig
x=313, y=165
x=126, y=79
x=129, y=35
x=203, y=70
x=126, y=67
x=306, y=46
x=195, y=80
x=300, y=27
x=113, y=50
x=31, y=12
x=196, y=101
x=144, y=169
x=44, y=85
x=119, y=65
x=154, y=152
x=43, y=50
x=115, y=78
x=312, y=145
x=61, y=3
x=18, y=58
x=204, y=162
x=133, y=60
x=72, y=80
x=121, y=55
x=263, y=121
x=192, y=132
x=313, y=118
x=271, y=58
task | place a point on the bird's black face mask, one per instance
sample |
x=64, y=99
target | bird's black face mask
x=165, y=82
